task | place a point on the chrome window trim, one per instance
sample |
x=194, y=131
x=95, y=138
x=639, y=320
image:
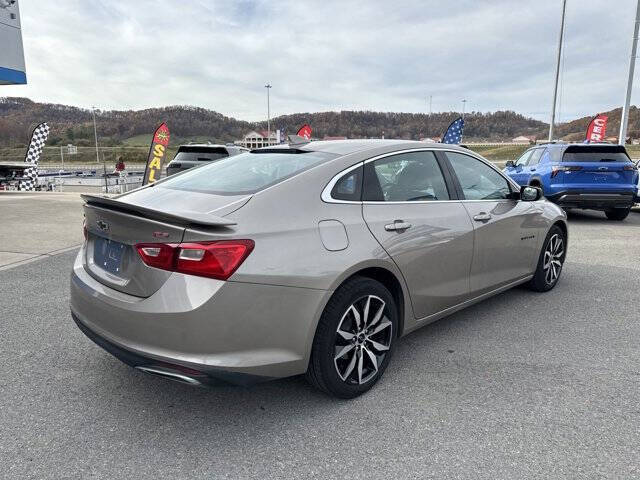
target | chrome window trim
x=326, y=192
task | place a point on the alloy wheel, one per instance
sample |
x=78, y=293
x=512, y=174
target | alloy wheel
x=363, y=338
x=553, y=255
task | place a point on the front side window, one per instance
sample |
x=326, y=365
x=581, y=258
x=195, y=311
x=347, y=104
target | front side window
x=524, y=159
x=478, y=180
x=406, y=177
x=245, y=173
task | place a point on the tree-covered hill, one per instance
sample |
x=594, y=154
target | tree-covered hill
x=74, y=125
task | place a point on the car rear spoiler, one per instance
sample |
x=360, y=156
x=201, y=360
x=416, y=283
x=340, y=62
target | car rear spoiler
x=177, y=217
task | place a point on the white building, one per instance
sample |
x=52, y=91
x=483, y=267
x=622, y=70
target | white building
x=259, y=139
x=523, y=139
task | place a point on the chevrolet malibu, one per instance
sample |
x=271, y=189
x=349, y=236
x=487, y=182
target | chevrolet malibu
x=310, y=258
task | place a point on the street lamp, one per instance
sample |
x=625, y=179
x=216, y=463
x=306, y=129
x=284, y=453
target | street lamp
x=95, y=133
x=464, y=103
x=268, y=87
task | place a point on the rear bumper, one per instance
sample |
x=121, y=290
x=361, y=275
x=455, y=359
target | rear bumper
x=596, y=200
x=193, y=374
x=215, y=331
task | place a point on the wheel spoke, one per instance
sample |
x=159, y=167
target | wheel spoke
x=344, y=351
x=372, y=357
x=346, y=335
x=380, y=327
x=378, y=315
x=378, y=346
x=365, y=316
x=356, y=315
x=360, y=366
x=350, y=367
x=558, y=246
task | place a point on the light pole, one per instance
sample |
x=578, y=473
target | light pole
x=95, y=133
x=624, y=121
x=268, y=87
x=555, y=86
x=464, y=103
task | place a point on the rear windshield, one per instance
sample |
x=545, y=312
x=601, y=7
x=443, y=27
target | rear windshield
x=246, y=173
x=200, y=154
x=613, y=153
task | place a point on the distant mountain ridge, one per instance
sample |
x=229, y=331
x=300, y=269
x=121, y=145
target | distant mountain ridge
x=74, y=125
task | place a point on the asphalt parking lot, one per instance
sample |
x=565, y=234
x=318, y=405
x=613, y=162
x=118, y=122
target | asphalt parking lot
x=523, y=385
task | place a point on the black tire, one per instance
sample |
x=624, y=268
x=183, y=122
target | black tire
x=540, y=281
x=327, y=343
x=617, y=214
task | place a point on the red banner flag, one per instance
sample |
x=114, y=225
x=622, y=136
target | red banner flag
x=157, y=151
x=597, y=129
x=305, y=131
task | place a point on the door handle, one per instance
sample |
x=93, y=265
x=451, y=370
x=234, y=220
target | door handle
x=482, y=217
x=397, y=225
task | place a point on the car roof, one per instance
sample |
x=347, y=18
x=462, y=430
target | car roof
x=613, y=146
x=346, y=147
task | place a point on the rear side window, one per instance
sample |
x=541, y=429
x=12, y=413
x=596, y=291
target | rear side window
x=406, y=177
x=613, y=153
x=349, y=187
x=246, y=173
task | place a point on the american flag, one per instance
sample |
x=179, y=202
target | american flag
x=454, y=132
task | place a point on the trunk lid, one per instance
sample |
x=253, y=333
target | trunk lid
x=588, y=174
x=115, y=225
x=601, y=166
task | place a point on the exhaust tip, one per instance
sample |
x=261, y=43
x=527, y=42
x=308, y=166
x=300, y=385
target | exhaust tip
x=171, y=375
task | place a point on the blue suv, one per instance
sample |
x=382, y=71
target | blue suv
x=594, y=176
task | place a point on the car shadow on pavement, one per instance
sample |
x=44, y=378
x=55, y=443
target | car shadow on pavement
x=595, y=217
x=424, y=353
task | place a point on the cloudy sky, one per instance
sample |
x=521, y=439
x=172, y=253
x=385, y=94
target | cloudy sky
x=326, y=55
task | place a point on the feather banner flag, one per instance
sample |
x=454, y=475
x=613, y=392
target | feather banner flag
x=453, y=135
x=157, y=151
x=30, y=175
x=597, y=128
x=305, y=132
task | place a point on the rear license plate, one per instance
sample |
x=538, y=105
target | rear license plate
x=107, y=254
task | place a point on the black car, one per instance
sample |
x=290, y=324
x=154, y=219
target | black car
x=194, y=155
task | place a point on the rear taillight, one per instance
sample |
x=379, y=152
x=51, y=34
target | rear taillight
x=557, y=169
x=206, y=259
x=158, y=255
x=632, y=168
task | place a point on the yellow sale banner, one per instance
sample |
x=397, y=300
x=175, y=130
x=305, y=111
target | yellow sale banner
x=157, y=152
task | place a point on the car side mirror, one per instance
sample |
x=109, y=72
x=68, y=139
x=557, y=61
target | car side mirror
x=510, y=164
x=530, y=194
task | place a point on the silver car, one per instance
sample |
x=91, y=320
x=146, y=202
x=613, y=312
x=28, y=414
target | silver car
x=312, y=258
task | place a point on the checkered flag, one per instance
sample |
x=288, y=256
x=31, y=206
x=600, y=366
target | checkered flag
x=38, y=139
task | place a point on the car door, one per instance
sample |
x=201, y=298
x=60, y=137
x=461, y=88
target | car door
x=413, y=212
x=517, y=171
x=506, y=229
x=532, y=165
